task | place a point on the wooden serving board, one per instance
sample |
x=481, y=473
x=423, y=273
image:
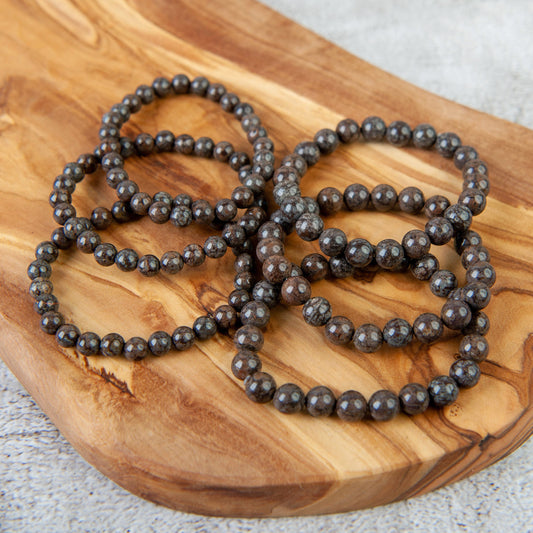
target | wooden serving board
x=178, y=430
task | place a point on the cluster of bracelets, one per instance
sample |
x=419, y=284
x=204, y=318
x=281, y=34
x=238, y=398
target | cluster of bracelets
x=264, y=276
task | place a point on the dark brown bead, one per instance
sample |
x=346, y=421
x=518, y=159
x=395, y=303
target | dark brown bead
x=184, y=144
x=101, y=218
x=442, y=283
x=478, y=182
x=204, y=327
x=183, y=338
x=383, y=197
x=255, y=133
x=164, y=141
x=368, y=338
x=199, y=86
x=351, y=406
x=427, y=328
x=260, y=387
x=75, y=226
x=45, y=303
x=60, y=196
x=443, y=391
x=159, y=343
x=465, y=373
x=276, y=268
x=255, y=314
x=459, y=217
x=193, y=255
x=373, y=129
x=475, y=166
x=59, y=238
x=447, y=143
x=330, y=200
x=51, y=322
x=171, y=262
x=462, y=155
x=144, y=144
x=181, y=216
x=474, y=347
x=295, y=291
x=309, y=226
x=389, y=254
x=424, y=136
x=359, y=253
x=348, y=130
x=479, y=324
x=315, y=267
x=243, y=263
x=111, y=160
x=112, y=345
x=289, y=399
x=416, y=244
x=339, y=330
x=135, y=349
x=399, y=133
x=317, y=311
x=340, y=268
x=309, y=151
x=320, y=401
x=397, y=332
x=332, y=242
x=121, y=212
x=181, y=84
x=481, y=272
x=439, y=230
x=326, y=140
x=88, y=241
x=215, y=247
x=74, y=171
x=414, y=399
x=40, y=287
x=435, y=206
x=243, y=280
x=285, y=175
x=234, y=235
x=356, y=197
x=108, y=145
x=476, y=295
x=468, y=238
x=88, y=343
x=228, y=102
x=263, y=143
x=67, y=335
x=270, y=230
x=238, y=160
x=116, y=176
x=411, y=200
x=46, y=251
x=269, y=247
x=127, y=147
x=203, y=147
x=215, y=92
x=383, y=405
x=39, y=269
x=245, y=363
x=456, y=314
x=126, y=260
x=474, y=200
x=88, y=163
x=242, y=197
x=62, y=212
x=202, y=211
x=145, y=93
x=225, y=316
x=474, y=254
x=148, y=265
x=265, y=292
x=159, y=212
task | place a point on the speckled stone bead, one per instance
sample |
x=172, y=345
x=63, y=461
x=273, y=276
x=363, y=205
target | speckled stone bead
x=45, y=303
x=474, y=254
x=383, y=405
x=314, y=267
x=481, y=272
x=87, y=241
x=414, y=399
x=427, y=328
x=268, y=247
x=112, y=345
x=435, y=206
x=442, y=283
x=144, y=144
x=326, y=140
x=359, y=253
x=320, y=401
x=225, y=316
x=46, y=251
x=447, y=143
x=383, y=197
x=330, y=200
x=159, y=212
x=215, y=247
x=40, y=287
x=475, y=166
x=88, y=162
x=140, y=203
x=479, y=324
x=171, y=262
x=468, y=238
x=121, y=212
x=424, y=136
x=126, y=260
x=148, y=265
x=373, y=129
x=339, y=330
x=101, y=218
x=76, y=225
x=295, y=291
x=193, y=255
x=411, y=200
x=266, y=292
x=309, y=226
x=398, y=133
x=317, y=311
x=184, y=144
x=181, y=216
x=465, y=373
x=309, y=151
x=351, y=406
x=474, y=347
x=159, y=343
x=459, y=217
x=456, y=314
x=242, y=197
x=439, y=230
x=462, y=155
x=204, y=147
x=443, y=391
x=243, y=263
x=289, y=399
x=397, y=333
x=348, y=130
x=199, y=86
x=51, y=322
x=183, y=338
x=135, y=349
x=234, y=235
x=476, y=295
x=260, y=387
x=255, y=314
x=39, y=269
x=67, y=335
x=88, y=343
x=59, y=196
x=340, y=268
x=478, y=182
x=62, y=212
x=389, y=254
x=243, y=280
x=416, y=244
x=356, y=197
x=368, y=338
x=204, y=327
x=474, y=199
x=245, y=363
x=332, y=241
x=116, y=176
x=276, y=268
x=105, y=254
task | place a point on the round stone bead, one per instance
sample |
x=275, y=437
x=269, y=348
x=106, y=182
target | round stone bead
x=184, y=144
x=171, y=262
x=442, y=283
x=383, y=405
x=204, y=147
x=45, y=303
x=144, y=144
x=462, y=155
x=202, y=211
x=424, y=136
x=339, y=330
x=356, y=197
x=248, y=337
x=447, y=143
x=46, y=251
x=465, y=373
x=293, y=208
x=397, y=332
x=439, y=230
x=456, y=314
x=411, y=200
x=243, y=263
x=475, y=166
x=340, y=268
x=416, y=244
x=265, y=292
x=435, y=206
x=414, y=399
x=39, y=269
x=383, y=197
x=215, y=247
x=476, y=295
x=193, y=255
x=326, y=140
x=126, y=260
x=474, y=347
x=242, y=197
x=204, y=327
x=389, y=254
x=260, y=387
x=466, y=239
x=427, y=328
x=320, y=401
x=67, y=335
x=330, y=200
x=289, y=399
x=276, y=268
x=368, y=338
x=234, y=235
x=245, y=363
x=474, y=199
x=424, y=267
x=62, y=212
x=148, y=265
x=478, y=182
x=348, y=130
x=60, y=196
x=255, y=314
x=88, y=343
x=332, y=241
x=351, y=406
x=309, y=226
x=399, y=133
x=270, y=230
x=87, y=241
x=373, y=129
x=135, y=349
x=309, y=151
x=159, y=343
x=269, y=247
x=295, y=291
x=481, y=272
x=479, y=324
x=317, y=311
x=159, y=212
x=51, y=322
x=183, y=338
x=474, y=254
x=359, y=253
x=459, y=217
x=443, y=391
x=112, y=345
x=102, y=218
x=225, y=316
x=40, y=287
x=314, y=267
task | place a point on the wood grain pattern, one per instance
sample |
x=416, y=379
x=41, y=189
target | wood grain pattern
x=178, y=430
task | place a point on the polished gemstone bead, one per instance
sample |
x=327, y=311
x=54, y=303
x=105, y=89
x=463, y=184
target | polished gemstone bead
x=260, y=387
x=398, y=133
x=414, y=399
x=289, y=399
x=159, y=343
x=383, y=405
x=368, y=338
x=465, y=372
x=348, y=130
x=416, y=244
x=424, y=267
x=397, y=332
x=320, y=401
x=443, y=391
x=317, y=311
x=442, y=283
x=356, y=197
x=204, y=327
x=332, y=241
x=481, y=272
x=266, y=292
x=183, y=337
x=88, y=343
x=351, y=406
x=135, y=349
x=435, y=206
x=295, y=290
x=359, y=253
x=474, y=347
x=476, y=295
x=315, y=267
x=383, y=197
x=439, y=230
x=424, y=136
x=427, y=328
x=447, y=143
x=330, y=200
x=67, y=335
x=411, y=200
x=276, y=268
x=373, y=129
x=456, y=314
x=339, y=330
x=112, y=345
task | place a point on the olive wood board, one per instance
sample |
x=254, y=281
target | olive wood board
x=178, y=430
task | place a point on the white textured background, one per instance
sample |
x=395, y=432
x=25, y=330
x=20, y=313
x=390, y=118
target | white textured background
x=478, y=53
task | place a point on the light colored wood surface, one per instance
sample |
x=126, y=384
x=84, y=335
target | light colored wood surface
x=178, y=430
